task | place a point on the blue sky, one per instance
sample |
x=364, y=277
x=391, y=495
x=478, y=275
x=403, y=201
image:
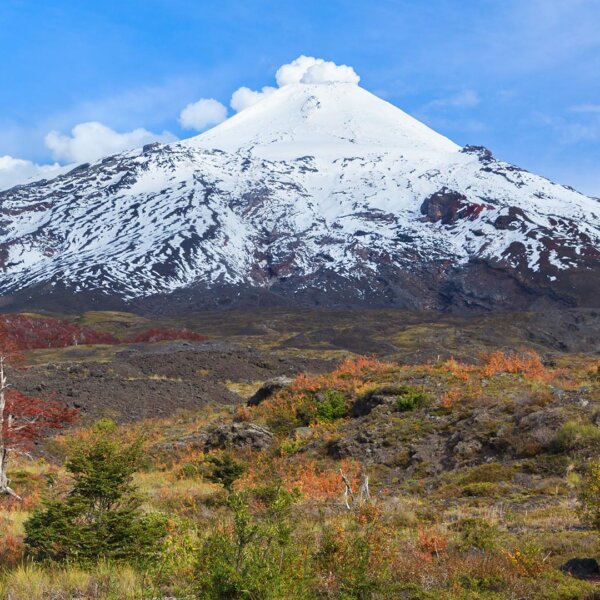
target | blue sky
x=521, y=77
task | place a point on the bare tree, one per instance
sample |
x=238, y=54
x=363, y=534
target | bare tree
x=23, y=419
x=350, y=499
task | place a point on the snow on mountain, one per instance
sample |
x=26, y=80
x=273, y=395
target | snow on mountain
x=317, y=193
x=325, y=120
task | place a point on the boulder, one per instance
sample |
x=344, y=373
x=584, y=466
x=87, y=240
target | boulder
x=366, y=404
x=582, y=568
x=238, y=436
x=268, y=389
x=541, y=426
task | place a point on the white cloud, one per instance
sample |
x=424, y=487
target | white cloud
x=90, y=141
x=202, y=114
x=304, y=69
x=15, y=171
x=308, y=69
x=294, y=71
x=244, y=97
x=325, y=72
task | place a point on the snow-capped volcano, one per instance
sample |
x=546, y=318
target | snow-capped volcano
x=318, y=193
x=324, y=120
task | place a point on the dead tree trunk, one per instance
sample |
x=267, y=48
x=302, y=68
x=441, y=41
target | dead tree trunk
x=5, y=489
x=350, y=498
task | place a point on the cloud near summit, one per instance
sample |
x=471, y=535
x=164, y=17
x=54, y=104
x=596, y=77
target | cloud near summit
x=304, y=69
x=308, y=69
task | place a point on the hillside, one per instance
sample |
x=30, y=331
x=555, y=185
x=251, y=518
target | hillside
x=477, y=466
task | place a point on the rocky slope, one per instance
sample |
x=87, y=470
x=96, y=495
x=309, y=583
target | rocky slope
x=318, y=194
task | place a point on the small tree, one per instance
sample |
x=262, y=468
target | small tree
x=253, y=555
x=589, y=496
x=225, y=470
x=101, y=515
x=23, y=419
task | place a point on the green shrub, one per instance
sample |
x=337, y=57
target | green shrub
x=483, y=488
x=332, y=406
x=409, y=398
x=255, y=556
x=347, y=557
x=487, y=473
x=477, y=533
x=224, y=469
x=589, y=496
x=189, y=470
x=575, y=435
x=101, y=516
x=482, y=584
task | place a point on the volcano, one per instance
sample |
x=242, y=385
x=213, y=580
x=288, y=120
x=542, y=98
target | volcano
x=319, y=194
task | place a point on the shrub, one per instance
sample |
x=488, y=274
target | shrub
x=28, y=333
x=575, y=435
x=527, y=560
x=100, y=516
x=252, y=555
x=346, y=562
x=483, y=488
x=477, y=533
x=409, y=398
x=332, y=406
x=487, y=473
x=224, y=469
x=589, y=496
x=526, y=363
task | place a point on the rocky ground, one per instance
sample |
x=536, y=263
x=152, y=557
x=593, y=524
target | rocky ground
x=158, y=380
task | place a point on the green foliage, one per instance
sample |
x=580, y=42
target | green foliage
x=482, y=584
x=574, y=435
x=101, y=516
x=487, y=473
x=477, y=533
x=251, y=556
x=291, y=445
x=482, y=488
x=332, y=407
x=410, y=398
x=224, y=469
x=348, y=557
x=589, y=496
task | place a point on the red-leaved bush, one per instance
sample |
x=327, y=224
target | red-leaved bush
x=23, y=332
x=23, y=419
x=31, y=418
x=28, y=333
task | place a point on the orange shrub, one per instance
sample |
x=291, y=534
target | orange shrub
x=351, y=376
x=11, y=548
x=313, y=481
x=457, y=369
x=317, y=484
x=242, y=414
x=362, y=366
x=430, y=543
x=450, y=398
x=526, y=363
x=306, y=383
